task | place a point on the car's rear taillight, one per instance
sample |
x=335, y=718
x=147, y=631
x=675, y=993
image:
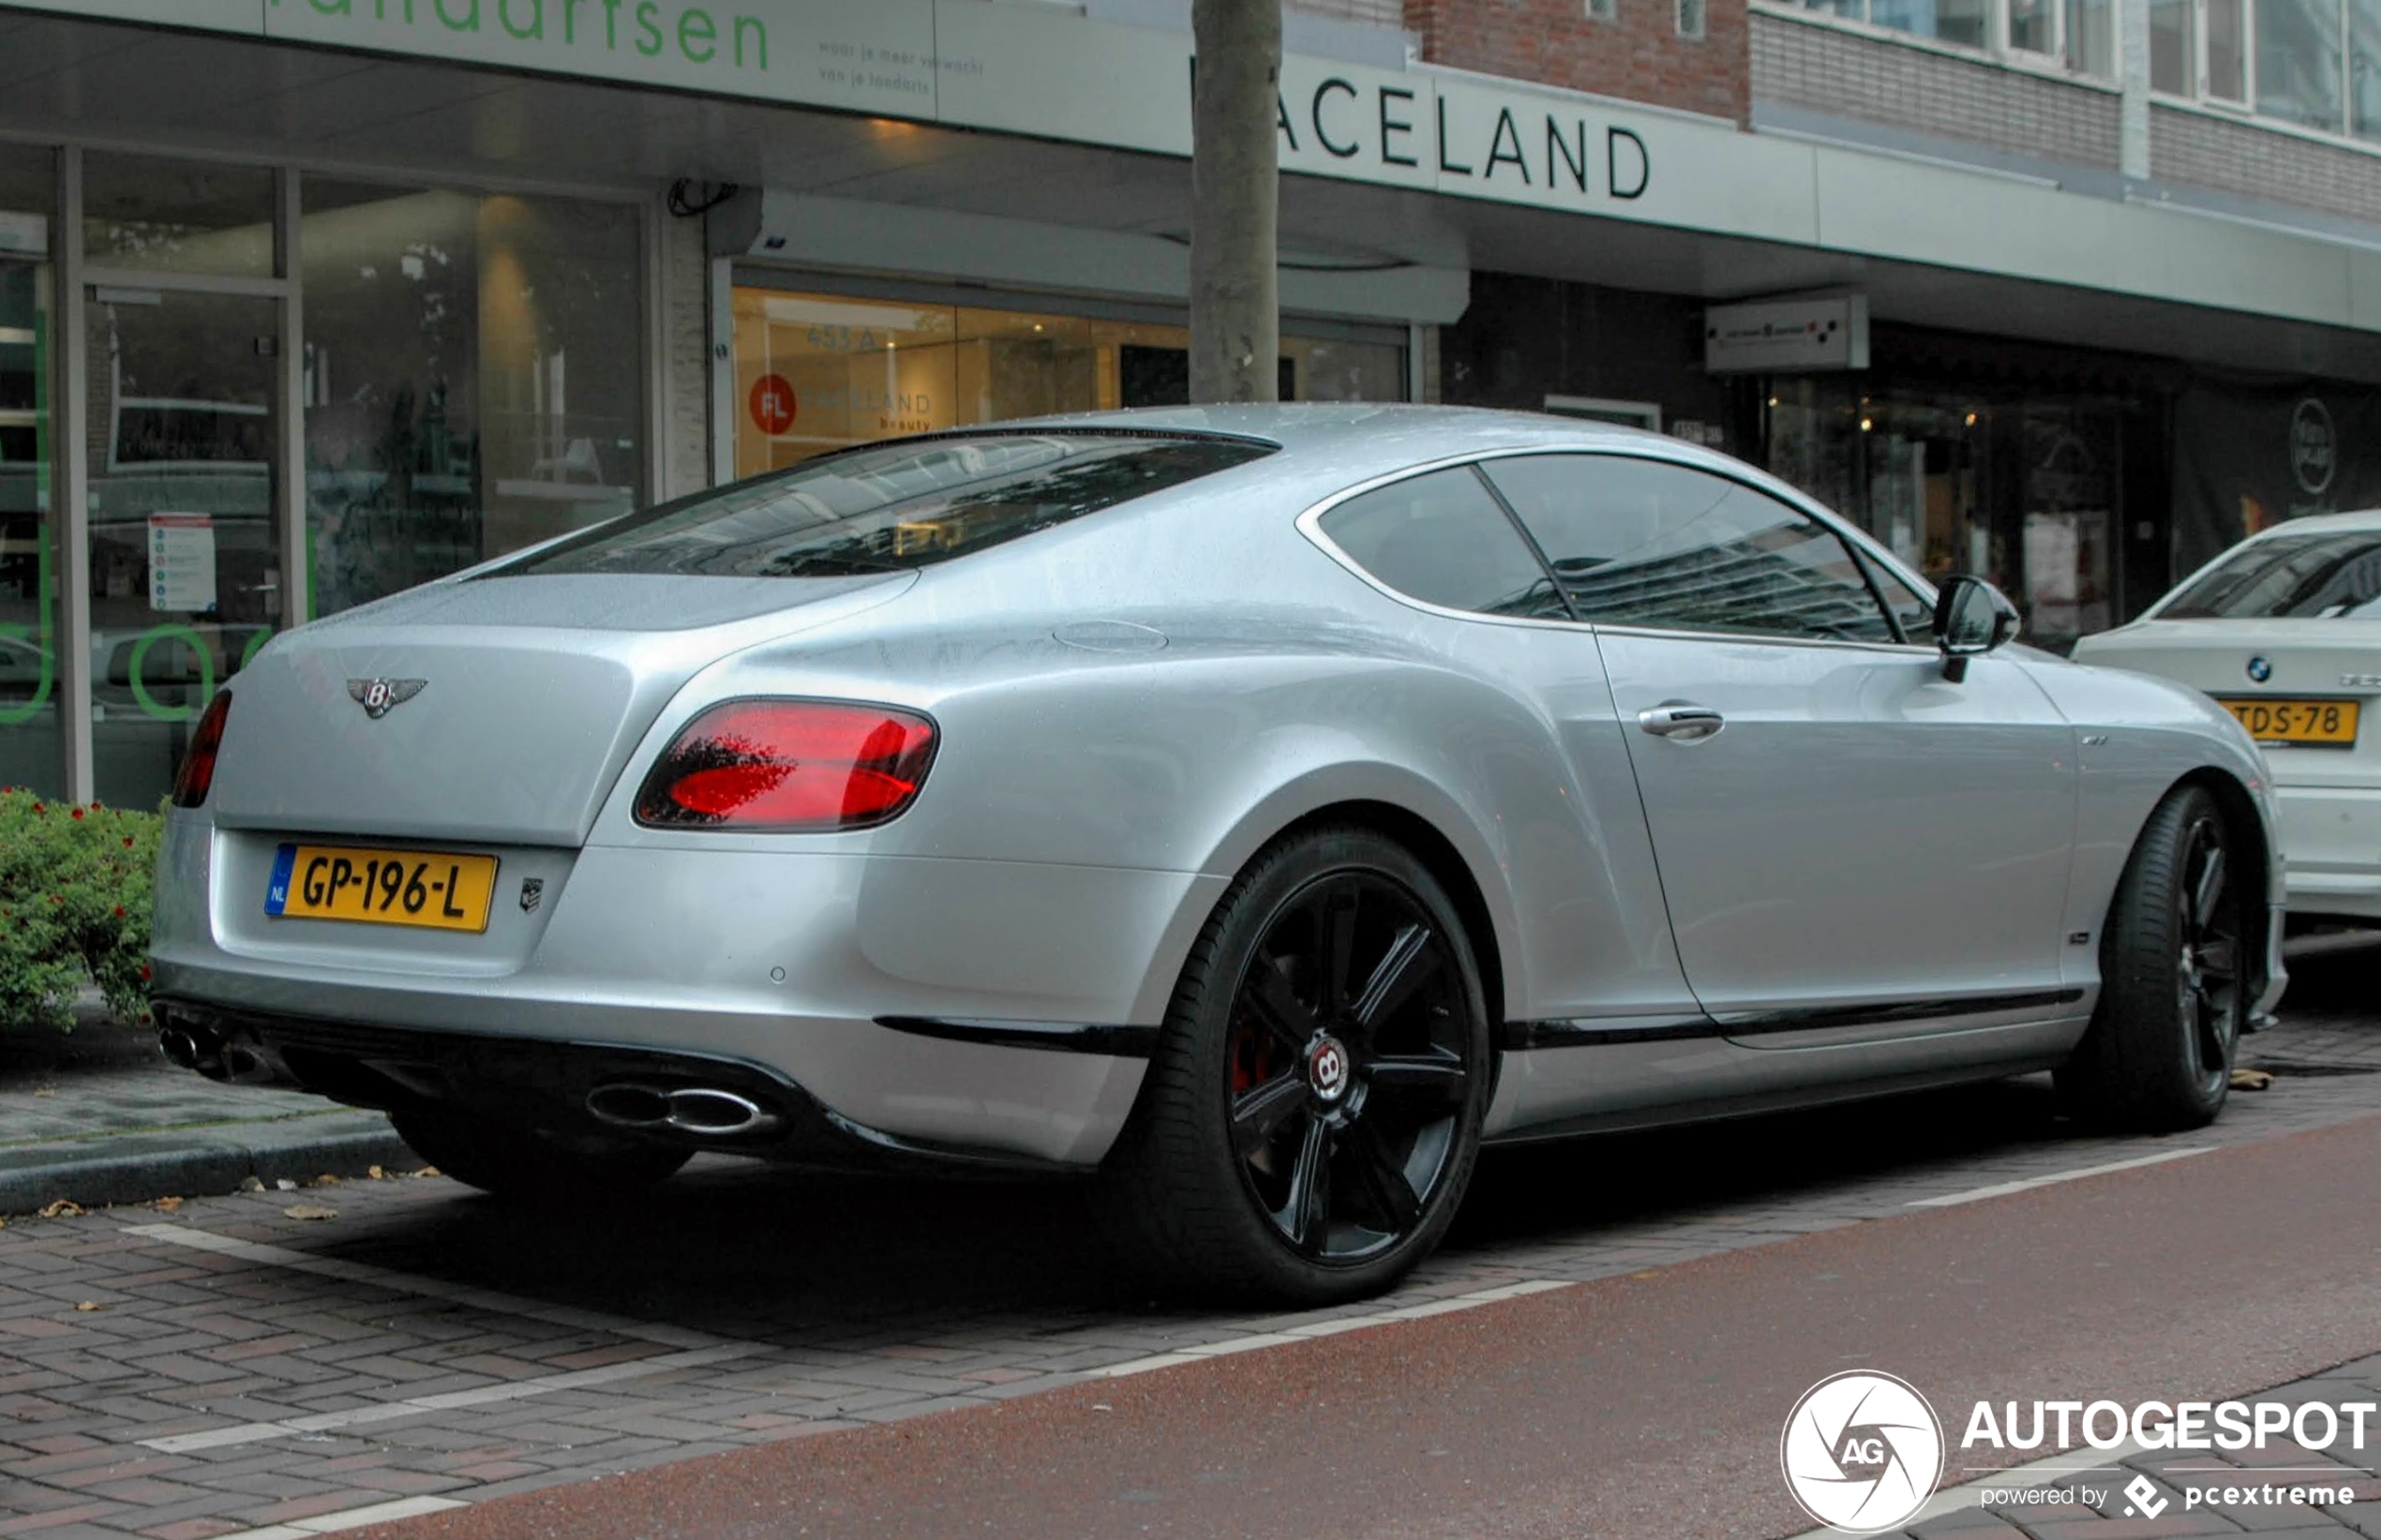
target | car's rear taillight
x=196, y=771
x=789, y=766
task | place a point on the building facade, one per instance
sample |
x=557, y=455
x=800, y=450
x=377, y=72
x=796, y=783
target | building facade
x=303, y=302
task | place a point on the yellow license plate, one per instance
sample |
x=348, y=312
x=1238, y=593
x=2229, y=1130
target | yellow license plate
x=432, y=888
x=2320, y=724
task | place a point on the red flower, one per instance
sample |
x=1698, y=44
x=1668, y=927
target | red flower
x=119, y=911
x=36, y=807
x=78, y=813
x=128, y=841
x=144, y=972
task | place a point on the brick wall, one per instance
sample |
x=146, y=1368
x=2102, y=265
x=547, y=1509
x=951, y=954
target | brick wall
x=2203, y=151
x=1825, y=69
x=1636, y=54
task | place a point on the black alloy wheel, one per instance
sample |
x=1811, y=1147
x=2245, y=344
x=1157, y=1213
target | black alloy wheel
x=2207, y=956
x=1313, y=1114
x=2174, y=975
x=1347, y=1066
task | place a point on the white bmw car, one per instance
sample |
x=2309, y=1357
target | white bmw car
x=2285, y=631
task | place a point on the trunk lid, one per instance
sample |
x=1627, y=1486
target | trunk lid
x=533, y=694
x=2323, y=659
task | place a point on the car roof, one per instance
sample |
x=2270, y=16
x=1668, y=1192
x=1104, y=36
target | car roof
x=1406, y=435
x=2356, y=522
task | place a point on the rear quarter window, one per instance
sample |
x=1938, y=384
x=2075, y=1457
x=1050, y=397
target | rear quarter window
x=1441, y=538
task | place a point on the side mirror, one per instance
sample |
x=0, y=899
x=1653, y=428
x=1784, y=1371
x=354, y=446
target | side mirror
x=1971, y=618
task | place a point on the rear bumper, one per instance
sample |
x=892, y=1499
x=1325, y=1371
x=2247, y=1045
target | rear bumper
x=965, y=1009
x=570, y=1088
x=2332, y=838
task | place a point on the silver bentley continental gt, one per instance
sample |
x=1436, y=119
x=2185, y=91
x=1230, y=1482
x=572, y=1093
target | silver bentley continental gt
x=1253, y=812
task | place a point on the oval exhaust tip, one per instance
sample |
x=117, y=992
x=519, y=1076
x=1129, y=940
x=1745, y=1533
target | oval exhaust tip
x=628, y=1105
x=707, y=1111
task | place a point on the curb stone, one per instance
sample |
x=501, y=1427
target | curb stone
x=197, y=1163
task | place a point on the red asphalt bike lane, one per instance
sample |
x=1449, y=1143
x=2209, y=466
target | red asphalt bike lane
x=1648, y=1405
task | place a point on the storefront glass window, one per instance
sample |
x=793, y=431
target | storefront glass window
x=177, y=216
x=2070, y=490
x=184, y=570
x=815, y=372
x=473, y=379
x=2299, y=51
x=30, y=706
x=2024, y=491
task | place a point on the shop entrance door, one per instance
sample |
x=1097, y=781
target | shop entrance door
x=185, y=558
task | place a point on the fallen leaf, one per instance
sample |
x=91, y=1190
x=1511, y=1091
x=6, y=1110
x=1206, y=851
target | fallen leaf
x=285, y=1183
x=310, y=1211
x=90, y=1305
x=375, y=1172
x=64, y=1209
x=47, y=1090
x=251, y=1184
x=326, y=1179
x=167, y=1205
x=2252, y=1079
x=429, y=1171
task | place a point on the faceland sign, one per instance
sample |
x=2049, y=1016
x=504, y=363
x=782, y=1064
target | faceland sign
x=1058, y=76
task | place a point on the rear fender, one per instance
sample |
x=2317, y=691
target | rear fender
x=1323, y=786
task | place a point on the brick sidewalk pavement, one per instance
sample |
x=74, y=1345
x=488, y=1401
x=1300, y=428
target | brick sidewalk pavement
x=241, y=1368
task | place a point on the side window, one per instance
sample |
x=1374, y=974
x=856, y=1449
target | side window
x=1442, y=539
x=1644, y=543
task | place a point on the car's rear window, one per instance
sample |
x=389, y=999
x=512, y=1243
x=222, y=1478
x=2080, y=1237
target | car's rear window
x=2333, y=574
x=893, y=507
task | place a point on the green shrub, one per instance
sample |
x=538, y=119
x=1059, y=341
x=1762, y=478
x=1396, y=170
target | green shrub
x=75, y=887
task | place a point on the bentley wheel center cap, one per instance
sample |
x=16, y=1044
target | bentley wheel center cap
x=1326, y=1069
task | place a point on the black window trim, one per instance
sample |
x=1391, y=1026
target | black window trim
x=1309, y=523
x=1862, y=557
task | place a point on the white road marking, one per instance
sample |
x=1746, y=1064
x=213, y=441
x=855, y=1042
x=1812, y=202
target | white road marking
x=1331, y=1328
x=697, y=1349
x=349, y=1518
x=2003, y=1189
x=507, y=1390
x=433, y=1287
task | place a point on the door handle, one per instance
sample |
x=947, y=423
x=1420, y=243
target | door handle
x=1681, y=724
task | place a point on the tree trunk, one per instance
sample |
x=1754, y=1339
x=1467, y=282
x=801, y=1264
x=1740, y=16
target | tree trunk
x=1235, y=322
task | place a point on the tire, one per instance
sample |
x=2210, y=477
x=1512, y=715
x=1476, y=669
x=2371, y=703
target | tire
x=512, y=1162
x=1307, y=1128
x=2159, y=1054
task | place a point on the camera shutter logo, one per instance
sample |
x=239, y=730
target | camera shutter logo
x=1861, y=1451
x=2313, y=446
